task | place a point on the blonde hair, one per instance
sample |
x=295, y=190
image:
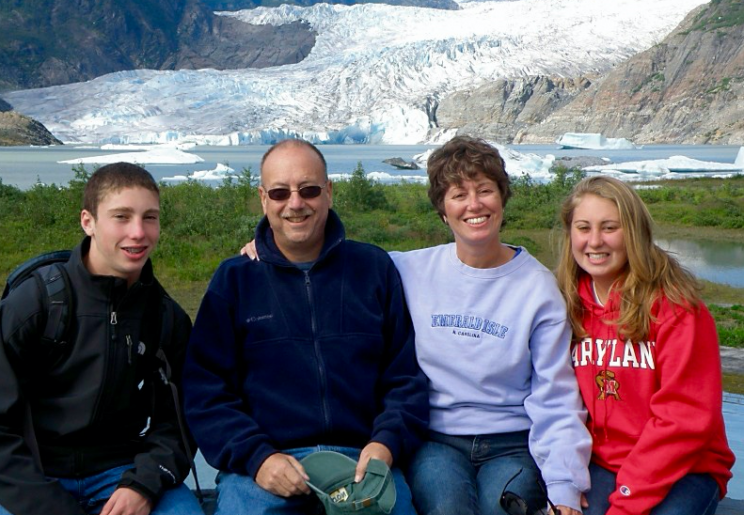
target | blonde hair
x=649, y=273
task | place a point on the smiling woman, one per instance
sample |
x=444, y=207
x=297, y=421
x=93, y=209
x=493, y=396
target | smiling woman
x=491, y=336
x=646, y=356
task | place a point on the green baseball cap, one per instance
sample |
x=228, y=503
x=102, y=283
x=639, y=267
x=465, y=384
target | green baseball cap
x=332, y=479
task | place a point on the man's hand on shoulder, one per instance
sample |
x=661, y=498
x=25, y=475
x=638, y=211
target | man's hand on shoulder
x=282, y=475
x=372, y=450
x=126, y=501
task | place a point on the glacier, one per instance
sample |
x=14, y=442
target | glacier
x=372, y=74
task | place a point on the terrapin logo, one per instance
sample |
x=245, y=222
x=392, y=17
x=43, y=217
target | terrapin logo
x=608, y=385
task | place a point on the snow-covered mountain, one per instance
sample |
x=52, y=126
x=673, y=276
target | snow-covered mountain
x=369, y=79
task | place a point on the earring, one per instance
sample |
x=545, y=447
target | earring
x=444, y=219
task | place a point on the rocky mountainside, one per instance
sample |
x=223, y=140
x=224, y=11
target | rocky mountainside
x=503, y=109
x=687, y=89
x=50, y=42
x=16, y=129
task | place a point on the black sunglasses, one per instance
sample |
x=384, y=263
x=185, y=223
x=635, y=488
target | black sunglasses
x=305, y=192
x=513, y=504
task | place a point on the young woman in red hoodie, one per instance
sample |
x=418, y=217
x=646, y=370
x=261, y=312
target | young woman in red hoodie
x=646, y=355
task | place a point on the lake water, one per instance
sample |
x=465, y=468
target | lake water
x=715, y=261
x=23, y=166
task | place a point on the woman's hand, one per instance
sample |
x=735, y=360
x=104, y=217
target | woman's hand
x=250, y=250
x=565, y=510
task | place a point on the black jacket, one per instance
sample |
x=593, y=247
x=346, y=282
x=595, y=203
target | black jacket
x=90, y=398
x=282, y=357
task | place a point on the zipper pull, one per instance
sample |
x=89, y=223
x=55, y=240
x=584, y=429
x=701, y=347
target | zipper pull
x=129, y=349
x=113, y=322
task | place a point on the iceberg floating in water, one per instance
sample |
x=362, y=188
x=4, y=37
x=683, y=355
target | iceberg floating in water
x=674, y=164
x=219, y=173
x=156, y=155
x=593, y=141
x=739, y=161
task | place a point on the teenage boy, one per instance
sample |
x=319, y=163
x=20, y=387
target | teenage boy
x=89, y=425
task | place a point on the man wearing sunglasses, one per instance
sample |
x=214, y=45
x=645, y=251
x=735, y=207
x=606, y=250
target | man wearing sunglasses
x=311, y=348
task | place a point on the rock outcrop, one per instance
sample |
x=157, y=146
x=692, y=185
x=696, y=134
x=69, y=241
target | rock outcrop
x=401, y=164
x=502, y=110
x=16, y=129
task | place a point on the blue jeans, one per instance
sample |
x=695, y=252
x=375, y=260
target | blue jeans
x=92, y=492
x=465, y=475
x=694, y=494
x=239, y=494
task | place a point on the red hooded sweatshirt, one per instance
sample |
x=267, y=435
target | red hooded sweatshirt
x=654, y=406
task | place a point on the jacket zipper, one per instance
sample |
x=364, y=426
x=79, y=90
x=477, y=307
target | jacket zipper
x=109, y=363
x=318, y=355
x=129, y=349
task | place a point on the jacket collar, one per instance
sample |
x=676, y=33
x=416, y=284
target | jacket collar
x=270, y=253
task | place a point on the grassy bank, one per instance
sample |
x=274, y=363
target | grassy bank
x=202, y=225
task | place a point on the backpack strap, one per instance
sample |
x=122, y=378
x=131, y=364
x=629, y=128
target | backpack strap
x=25, y=269
x=56, y=298
x=54, y=281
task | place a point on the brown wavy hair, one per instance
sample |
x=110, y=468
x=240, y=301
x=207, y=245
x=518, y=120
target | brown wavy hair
x=650, y=272
x=462, y=158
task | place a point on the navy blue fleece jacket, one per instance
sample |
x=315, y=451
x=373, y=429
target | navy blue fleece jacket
x=282, y=358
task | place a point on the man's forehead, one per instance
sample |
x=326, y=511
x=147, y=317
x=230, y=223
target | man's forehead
x=294, y=155
x=294, y=179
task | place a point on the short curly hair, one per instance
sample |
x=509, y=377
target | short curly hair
x=464, y=158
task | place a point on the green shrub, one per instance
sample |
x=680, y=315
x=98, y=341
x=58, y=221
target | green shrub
x=359, y=193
